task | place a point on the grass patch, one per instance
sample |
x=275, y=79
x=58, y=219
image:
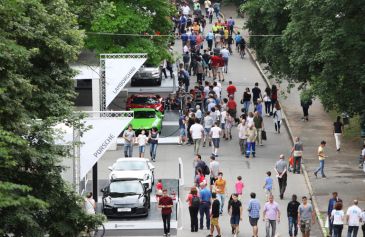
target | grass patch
x=352, y=130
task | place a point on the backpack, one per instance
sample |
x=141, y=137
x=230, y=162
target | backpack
x=195, y=202
x=206, y=169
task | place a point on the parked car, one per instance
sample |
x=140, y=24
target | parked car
x=148, y=74
x=146, y=119
x=146, y=101
x=125, y=198
x=138, y=168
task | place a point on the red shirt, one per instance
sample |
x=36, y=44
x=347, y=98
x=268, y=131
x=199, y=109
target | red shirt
x=232, y=104
x=231, y=89
x=159, y=186
x=221, y=62
x=215, y=61
x=165, y=201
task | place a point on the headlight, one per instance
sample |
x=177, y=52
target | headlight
x=146, y=177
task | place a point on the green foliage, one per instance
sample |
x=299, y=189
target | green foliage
x=322, y=45
x=130, y=17
x=38, y=40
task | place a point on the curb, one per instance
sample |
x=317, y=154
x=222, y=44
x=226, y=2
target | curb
x=290, y=132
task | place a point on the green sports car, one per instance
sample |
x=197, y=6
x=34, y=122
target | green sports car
x=145, y=118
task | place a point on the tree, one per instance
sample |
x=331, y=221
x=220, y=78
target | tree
x=38, y=41
x=322, y=46
x=137, y=18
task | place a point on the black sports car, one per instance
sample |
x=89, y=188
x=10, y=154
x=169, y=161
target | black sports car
x=125, y=198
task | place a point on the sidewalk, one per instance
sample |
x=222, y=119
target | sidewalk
x=341, y=168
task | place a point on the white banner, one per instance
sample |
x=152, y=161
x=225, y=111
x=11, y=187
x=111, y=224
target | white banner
x=118, y=72
x=96, y=140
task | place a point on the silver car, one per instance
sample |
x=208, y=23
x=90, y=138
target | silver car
x=147, y=75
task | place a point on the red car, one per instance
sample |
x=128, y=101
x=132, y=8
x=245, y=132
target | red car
x=146, y=101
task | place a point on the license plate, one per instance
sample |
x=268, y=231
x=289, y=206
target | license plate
x=124, y=209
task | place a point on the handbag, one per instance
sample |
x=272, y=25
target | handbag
x=263, y=135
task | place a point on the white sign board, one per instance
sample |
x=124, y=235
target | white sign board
x=118, y=72
x=96, y=140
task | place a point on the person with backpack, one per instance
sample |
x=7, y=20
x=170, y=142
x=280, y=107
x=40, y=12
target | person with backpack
x=184, y=77
x=193, y=201
x=220, y=189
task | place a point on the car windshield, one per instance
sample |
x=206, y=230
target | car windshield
x=144, y=114
x=144, y=100
x=131, y=165
x=126, y=187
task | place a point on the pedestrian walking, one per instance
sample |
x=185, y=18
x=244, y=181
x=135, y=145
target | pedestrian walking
x=225, y=55
x=281, y=174
x=166, y=203
x=229, y=124
x=208, y=124
x=231, y=89
x=353, y=217
x=232, y=107
x=222, y=119
x=274, y=96
x=235, y=211
x=215, y=134
x=306, y=217
x=277, y=116
x=89, y=204
x=254, y=214
x=331, y=205
x=256, y=93
x=292, y=212
x=189, y=121
x=205, y=202
x=251, y=134
x=214, y=171
x=259, y=125
x=199, y=176
x=193, y=201
x=363, y=222
x=142, y=141
x=267, y=100
x=153, y=140
x=337, y=131
x=220, y=190
x=197, y=133
x=321, y=157
x=239, y=185
x=297, y=153
x=268, y=185
x=271, y=216
x=242, y=136
x=214, y=217
x=246, y=100
x=305, y=103
x=259, y=106
x=207, y=5
x=129, y=139
x=338, y=218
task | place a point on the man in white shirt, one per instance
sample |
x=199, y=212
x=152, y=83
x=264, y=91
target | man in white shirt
x=353, y=216
x=217, y=89
x=197, y=133
x=225, y=56
x=215, y=133
x=214, y=170
x=207, y=4
x=242, y=130
x=186, y=10
x=208, y=124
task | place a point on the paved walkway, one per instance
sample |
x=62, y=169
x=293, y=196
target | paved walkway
x=341, y=168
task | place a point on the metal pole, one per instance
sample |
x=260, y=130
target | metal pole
x=76, y=159
x=95, y=182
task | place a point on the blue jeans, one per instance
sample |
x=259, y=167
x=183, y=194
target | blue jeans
x=128, y=150
x=250, y=146
x=293, y=224
x=320, y=168
x=204, y=208
x=153, y=150
x=337, y=230
x=352, y=231
x=220, y=198
x=246, y=106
